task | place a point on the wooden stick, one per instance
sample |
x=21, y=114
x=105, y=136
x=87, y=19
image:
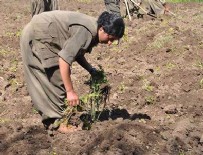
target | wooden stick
x=139, y=6
x=172, y=13
x=126, y=4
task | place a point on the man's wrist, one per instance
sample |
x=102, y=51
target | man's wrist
x=69, y=91
x=92, y=70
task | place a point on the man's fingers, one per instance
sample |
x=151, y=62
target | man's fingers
x=70, y=103
x=73, y=102
x=78, y=102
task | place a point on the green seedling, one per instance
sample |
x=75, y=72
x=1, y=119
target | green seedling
x=35, y=111
x=170, y=65
x=18, y=33
x=10, y=34
x=14, y=34
x=158, y=68
x=181, y=153
x=199, y=64
x=122, y=87
x=92, y=104
x=53, y=153
x=147, y=86
x=201, y=83
x=4, y=52
x=150, y=99
x=2, y=120
x=13, y=66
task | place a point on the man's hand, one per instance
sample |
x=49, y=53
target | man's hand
x=166, y=8
x=94, y=73
x=72, y=98
x=97, y=76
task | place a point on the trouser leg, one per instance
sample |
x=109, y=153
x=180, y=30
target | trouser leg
x=113, y=6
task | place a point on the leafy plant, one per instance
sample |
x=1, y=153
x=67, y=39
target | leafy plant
x=147, y=86
x=53, y=153
x=181, y=152
x=170, y=65
x=122, y=87
x=199, y=64
x=18, y=33
x=4, y=120
x=201, y=83
x=35, y=111
x=92, y=104
x=150, y=99
x=13, y=66
x=4, y=52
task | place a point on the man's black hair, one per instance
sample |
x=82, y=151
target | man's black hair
x=112, y=24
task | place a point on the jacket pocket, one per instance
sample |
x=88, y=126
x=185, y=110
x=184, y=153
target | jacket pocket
x=45, y=32
x=47, y=57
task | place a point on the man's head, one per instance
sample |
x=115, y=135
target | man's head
x=110, y=27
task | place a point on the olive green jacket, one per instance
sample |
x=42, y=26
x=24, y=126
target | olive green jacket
x=62, y=33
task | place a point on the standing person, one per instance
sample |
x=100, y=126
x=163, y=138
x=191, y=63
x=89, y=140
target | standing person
x=156, y=7
x=39, y=6
x=50, y=43
x=113, y=6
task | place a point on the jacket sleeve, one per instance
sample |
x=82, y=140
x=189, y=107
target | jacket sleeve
x=162, y=1
x=79, y=41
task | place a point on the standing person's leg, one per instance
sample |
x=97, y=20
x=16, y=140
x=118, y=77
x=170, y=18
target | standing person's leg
x=54, y=5
x=51, y=5
x=130, y=5
x=47, y=5
x=152, y=7
x=113, y=6
x=37, y=7
x=157, y=7
x=133, y=5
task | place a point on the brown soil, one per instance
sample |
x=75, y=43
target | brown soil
x=156, y=75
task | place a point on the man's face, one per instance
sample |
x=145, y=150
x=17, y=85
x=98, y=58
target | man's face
x=105, y=38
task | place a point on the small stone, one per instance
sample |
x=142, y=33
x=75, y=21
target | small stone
x=120, y=119
x=115, y=96
x=168, y=50
x=170, y=109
